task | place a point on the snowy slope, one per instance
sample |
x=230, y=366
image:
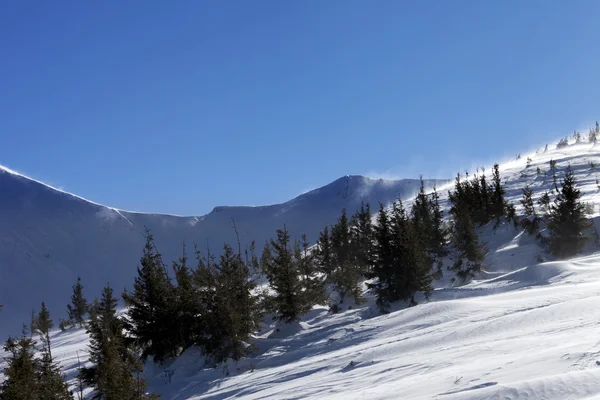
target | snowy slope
x=521, y=330
x=49, y=237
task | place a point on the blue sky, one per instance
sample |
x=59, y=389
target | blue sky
x=181, y=106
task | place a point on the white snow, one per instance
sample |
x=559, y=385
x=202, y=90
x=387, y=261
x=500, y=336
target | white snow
x=521, y=330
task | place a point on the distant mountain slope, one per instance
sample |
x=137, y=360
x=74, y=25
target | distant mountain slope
x=49, y=237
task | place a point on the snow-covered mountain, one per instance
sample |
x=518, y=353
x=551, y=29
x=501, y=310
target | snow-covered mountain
x=49, y=237
x=523, y=329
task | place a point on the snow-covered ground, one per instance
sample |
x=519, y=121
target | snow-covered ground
x=521, y=330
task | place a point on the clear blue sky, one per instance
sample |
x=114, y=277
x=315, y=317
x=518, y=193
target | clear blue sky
x=179, y=106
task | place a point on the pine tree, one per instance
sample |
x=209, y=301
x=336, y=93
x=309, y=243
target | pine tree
x=498, y=205
x=32, y=323
x=21, y=371
x=52, y=385
x=383, y=267
x=361, y=239
x=282, y=267
x=438, y=232
x=78, y=307
x=151, y=307
x=313, y=285
x=186, y=303
x=323, y=252
x=567, y=221
x=116, y=370
x=346, y=275
x=235, y=310
x=466, y=241
x=44, y=323
x=531, y=221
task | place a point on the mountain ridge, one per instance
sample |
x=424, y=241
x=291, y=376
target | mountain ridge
x=48, y=236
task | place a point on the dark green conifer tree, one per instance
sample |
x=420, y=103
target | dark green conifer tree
x=531, y=221
x=347, y=275
x=78, y=307
x=323, y=252
x=151, y=307
x=116, y=369
x=235, y=310
x=567, y=221
x=383, y=266
x=282, y=267
x=21, y=372
x=361, y=239
x=497, y=202
x=44, y=323
x=470, y=252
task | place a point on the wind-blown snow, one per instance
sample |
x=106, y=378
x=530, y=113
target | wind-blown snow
x=521, y=330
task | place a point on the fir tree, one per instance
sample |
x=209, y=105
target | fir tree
x=361, y=239
x=313, y=286
x=471, y=252
x=531, y=221
x=282, y=267
x=21, y=373
x=116, y=370
x=44, y=323
x=497, y=203
x=323, y=252
x=235, y=310
x=151, y=307
x=32, y=323
x=52, y=385
x=347, y=274
x=78, y=307
x=438, y=232
x=383, y=267
x=186, y=297
x=567, y=222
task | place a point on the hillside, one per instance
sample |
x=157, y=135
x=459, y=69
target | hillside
x=521, y=329
x=49, y=237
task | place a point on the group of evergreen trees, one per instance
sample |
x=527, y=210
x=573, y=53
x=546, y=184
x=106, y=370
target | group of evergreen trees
x=396, y=254
x=474, y=201
x=212, y=306
x=216, y=304
x=564, y=217
x=28, y=376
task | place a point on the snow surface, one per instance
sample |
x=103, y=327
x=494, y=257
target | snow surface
x=521, y=330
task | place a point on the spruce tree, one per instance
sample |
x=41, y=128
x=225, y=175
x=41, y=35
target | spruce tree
x=347, y=274
x=78, y=307
x=21, y=371
x=323, y=252
x=235, y=309
x=116, y=370
x=282, y=267
x=437, y=243
x=383, y=266
x=43, y=324
x=150, y=309
x=43, y=321
x=567, y=221
x=52, y=385
x=361, y=239
x=186, y=303
x=497, y=203
x=465, y=240
x=531, y=221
